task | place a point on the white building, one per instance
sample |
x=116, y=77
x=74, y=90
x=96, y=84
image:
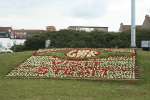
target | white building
x=8, y=43
x=88, y=28
x=5, y=38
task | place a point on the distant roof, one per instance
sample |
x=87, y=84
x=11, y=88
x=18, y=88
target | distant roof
x=29, y=30
x=88, y=26
x=147, y=17
x=5, y=29
x=4, y=35
x=124, y=28
x=129, y=26
x=146, y=25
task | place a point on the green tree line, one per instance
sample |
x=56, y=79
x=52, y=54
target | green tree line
x=82, y=39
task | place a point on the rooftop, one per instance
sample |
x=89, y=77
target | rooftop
x=5, y=29
x=88, y=26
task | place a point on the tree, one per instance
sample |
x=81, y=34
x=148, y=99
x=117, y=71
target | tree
x=35, y=42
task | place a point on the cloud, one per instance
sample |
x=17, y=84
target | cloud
x=62, y=13
x=77, y=8
x=88, y=9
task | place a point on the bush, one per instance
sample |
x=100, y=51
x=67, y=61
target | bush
x=81, y=39
x=35, y=42
x=18, y=48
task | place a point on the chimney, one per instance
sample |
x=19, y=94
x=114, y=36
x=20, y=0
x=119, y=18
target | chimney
x=121, y=24
x=147, y=16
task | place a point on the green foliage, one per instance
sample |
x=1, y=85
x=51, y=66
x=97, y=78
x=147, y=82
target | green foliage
x=35, y=42
x=81, y=39
x=58, y=54
x=142, y=35
x=18, y=48
x=76, y=39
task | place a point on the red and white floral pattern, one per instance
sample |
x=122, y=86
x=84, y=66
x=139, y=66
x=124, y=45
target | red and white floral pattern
x=112, y=64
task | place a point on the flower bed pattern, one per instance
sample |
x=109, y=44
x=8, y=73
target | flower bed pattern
x=69, y=63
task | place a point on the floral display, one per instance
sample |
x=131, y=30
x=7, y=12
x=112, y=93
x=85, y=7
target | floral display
x=79, y=63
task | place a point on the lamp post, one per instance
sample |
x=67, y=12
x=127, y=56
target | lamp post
x=133, y=25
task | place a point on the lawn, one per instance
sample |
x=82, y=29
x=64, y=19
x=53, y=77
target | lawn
x=50, y=89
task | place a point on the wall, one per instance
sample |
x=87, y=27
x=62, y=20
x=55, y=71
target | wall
x=8, y=43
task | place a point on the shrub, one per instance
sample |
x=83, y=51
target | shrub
x=81, y=39
x=18, y=48
x=35, y=42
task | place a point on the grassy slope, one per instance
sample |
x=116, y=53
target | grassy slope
x=13, y=89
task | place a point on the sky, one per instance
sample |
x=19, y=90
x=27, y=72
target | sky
x=37, y=14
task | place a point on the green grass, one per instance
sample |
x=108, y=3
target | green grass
x=19, y=89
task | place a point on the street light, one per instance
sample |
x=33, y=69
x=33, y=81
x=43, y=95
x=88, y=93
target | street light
x=133, y=25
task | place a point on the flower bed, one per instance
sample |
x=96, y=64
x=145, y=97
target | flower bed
x=69, y=63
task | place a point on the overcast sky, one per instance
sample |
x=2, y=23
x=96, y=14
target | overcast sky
x=63, y=13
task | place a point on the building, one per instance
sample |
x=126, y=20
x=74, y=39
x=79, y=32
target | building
x=5, y=32
x=19, y=34
x=5, y=29
x=10, y=37
x=88, y=28
x=125, y=28
x=146, y=23
x=33, y=31
x=24, y=33
x=50, y=28
x=144, y=26
x=6, y=43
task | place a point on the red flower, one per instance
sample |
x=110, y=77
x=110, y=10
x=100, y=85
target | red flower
x=103, y=71
x=42, y=70
x=98, y=53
